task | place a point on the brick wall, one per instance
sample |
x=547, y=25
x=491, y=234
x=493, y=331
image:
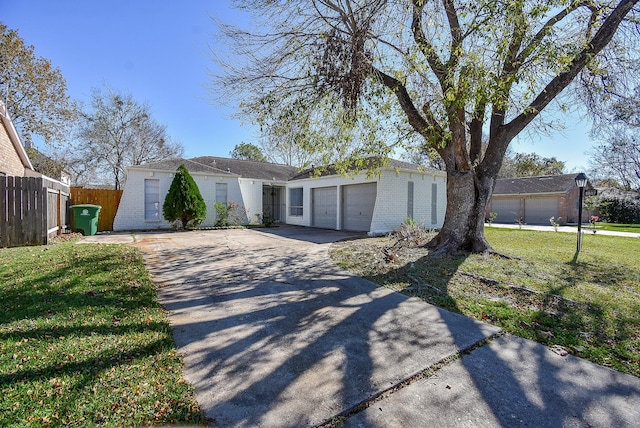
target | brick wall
x=389, y=212
x=131, y=211
x=391, y=201
x=10, y=163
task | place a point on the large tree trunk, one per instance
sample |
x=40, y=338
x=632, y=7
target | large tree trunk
x=463, y=229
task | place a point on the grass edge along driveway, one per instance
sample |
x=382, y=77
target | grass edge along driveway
x=83, y=341
x=588, y=304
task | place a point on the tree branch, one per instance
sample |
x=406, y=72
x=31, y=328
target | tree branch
x=426, y=47
x=456, y=34
x=425, y=127
x=602, y=37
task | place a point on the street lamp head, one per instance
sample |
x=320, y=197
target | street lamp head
x=581, y=180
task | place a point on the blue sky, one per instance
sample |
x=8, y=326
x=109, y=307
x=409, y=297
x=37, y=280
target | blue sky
x=159, y=52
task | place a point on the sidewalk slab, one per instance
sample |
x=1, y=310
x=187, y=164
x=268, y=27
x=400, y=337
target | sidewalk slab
x=512, y=382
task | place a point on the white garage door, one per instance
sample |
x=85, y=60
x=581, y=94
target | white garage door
x=324, y=205
x=358, y=201
x=540, y=210
x=508, y=210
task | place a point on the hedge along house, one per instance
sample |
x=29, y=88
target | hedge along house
x=534, y=200
x=375, y=204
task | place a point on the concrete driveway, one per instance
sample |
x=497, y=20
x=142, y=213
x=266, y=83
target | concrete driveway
x=275, y=335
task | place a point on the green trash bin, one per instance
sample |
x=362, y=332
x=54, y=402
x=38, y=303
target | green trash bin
x=85, y=218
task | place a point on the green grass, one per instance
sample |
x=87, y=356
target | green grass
x=84, y=342
x=589, y=303
x=635, y=228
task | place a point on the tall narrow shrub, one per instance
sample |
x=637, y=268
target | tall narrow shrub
x=184, y=201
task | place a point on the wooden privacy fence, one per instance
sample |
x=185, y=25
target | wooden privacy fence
x=32, y=210
x=108, y=199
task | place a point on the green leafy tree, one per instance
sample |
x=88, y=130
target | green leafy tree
x=248, y=151
x=35, y=92
x=361, y=71
x=530, y=165
x=184, y=201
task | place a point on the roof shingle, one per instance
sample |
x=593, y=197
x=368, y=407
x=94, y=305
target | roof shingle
x=225, y=166
x=542, y=184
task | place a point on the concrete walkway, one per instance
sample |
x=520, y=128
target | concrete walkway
x=566, y=229
x=275, y=335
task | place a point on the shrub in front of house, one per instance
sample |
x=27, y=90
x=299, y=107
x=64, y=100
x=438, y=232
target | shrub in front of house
x=184, y=202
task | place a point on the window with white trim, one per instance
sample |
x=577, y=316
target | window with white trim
x=151, y=199
x=221, y=193
x=295, y=202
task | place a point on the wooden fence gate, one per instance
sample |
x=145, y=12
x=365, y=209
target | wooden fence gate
x=32, y=210
x=108, y=199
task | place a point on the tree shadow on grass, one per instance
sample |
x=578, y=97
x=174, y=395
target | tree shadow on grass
x=67, y=333
x=517, y=382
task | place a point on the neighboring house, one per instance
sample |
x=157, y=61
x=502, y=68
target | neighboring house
x=534, y=200
x=48, y=167
x=13, y=157
x=33, y=207
x=376, y=204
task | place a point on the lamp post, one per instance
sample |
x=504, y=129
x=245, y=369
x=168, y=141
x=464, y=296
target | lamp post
x=581, y=182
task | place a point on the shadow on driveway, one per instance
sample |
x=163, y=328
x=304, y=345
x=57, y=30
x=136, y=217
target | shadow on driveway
x=274, y=334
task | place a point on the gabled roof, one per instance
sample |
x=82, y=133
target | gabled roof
x=264, y=170
x=173, y=164
x=367, y=163
x=13, y=136
x=250, y=169
x=225, y=166
x=46, y=165
x=542, y=184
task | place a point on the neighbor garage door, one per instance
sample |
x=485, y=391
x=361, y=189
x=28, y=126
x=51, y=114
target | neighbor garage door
x=508, y=210
x=540, y=210
x=358, y=201
x=324, y=205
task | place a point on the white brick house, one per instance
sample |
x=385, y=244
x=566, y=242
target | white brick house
x=376, y=204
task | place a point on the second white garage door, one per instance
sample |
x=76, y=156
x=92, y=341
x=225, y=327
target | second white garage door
x=358, y=201
x=324, y=202
x=540, y=210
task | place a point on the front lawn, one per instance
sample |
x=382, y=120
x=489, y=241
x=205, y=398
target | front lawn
x=635, y=228
x=84, y=342
x=589, y=304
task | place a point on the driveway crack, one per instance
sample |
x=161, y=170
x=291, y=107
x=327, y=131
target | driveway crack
x=428, y=372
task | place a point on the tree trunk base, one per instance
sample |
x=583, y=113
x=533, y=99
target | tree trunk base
x=448, y=244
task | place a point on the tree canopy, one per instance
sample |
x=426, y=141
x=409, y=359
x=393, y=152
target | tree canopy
x=35, y=92
x=617, y=155
x=248, y=151
x=116, y=132
x=530, y=165
x=367, y=77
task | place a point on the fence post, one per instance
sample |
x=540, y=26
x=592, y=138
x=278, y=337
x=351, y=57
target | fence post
x=4, y=204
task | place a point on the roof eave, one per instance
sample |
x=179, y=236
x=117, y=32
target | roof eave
x=531, y=193
x=15, y=139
